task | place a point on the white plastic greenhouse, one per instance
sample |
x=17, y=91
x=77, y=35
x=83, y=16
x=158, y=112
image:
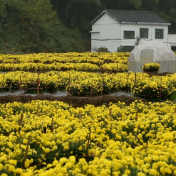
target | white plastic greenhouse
x=149, y=52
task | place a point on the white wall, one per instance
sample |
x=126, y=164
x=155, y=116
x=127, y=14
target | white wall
x=136, y=28
x=109, y=33
x=172, y=39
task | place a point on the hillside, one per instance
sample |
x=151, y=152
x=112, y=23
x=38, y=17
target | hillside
x=63, y=26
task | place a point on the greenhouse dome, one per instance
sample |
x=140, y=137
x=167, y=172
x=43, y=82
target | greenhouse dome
x=152, y=52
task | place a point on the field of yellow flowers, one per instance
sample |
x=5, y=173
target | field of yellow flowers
x=52, y=138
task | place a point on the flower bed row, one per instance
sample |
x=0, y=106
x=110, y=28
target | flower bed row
x=81, y=83
x=110, y=67
x=135, y=140
x=48, y=58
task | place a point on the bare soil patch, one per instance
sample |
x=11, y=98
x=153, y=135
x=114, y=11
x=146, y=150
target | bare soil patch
x=158, y=74
x=72, y=100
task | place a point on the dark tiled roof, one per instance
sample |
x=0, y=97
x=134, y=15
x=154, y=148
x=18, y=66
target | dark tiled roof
x=132, y=16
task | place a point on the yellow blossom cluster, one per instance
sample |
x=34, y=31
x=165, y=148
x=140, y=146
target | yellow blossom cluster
x=116, y=67
x=151, y=67
x=116, y=139
x=107, y=67
x=47, y=67
x=155, y=86
x=64, y=61
x=81, y=83
x=64, y=58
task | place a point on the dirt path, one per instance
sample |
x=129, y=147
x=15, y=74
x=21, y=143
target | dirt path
x=72, y=100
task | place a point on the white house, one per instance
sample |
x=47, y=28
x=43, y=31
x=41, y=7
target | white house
x=114, y=28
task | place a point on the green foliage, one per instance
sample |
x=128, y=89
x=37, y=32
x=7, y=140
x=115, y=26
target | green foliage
x=32, y=26
x=121, y=49
x=28, y=26
x=101, y=49
x=79, y=13
x=149, y=5
x=127, y=5
x=136, y=3
x=172, y=12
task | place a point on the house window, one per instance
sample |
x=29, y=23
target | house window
x=143, y=33
x=128, y=34
x=128, y=48
x=159, y=33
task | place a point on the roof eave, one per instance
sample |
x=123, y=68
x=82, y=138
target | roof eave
x=99, y=16
x=151, y=23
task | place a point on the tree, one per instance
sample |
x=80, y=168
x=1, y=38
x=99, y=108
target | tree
x=26, y=23
x=126, y=5
x=136, y=3
x=79, y=13
x=111, y=4
x=149, y=5
x=60, y=7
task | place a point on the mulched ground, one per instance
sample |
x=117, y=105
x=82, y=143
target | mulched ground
x=72, y=100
